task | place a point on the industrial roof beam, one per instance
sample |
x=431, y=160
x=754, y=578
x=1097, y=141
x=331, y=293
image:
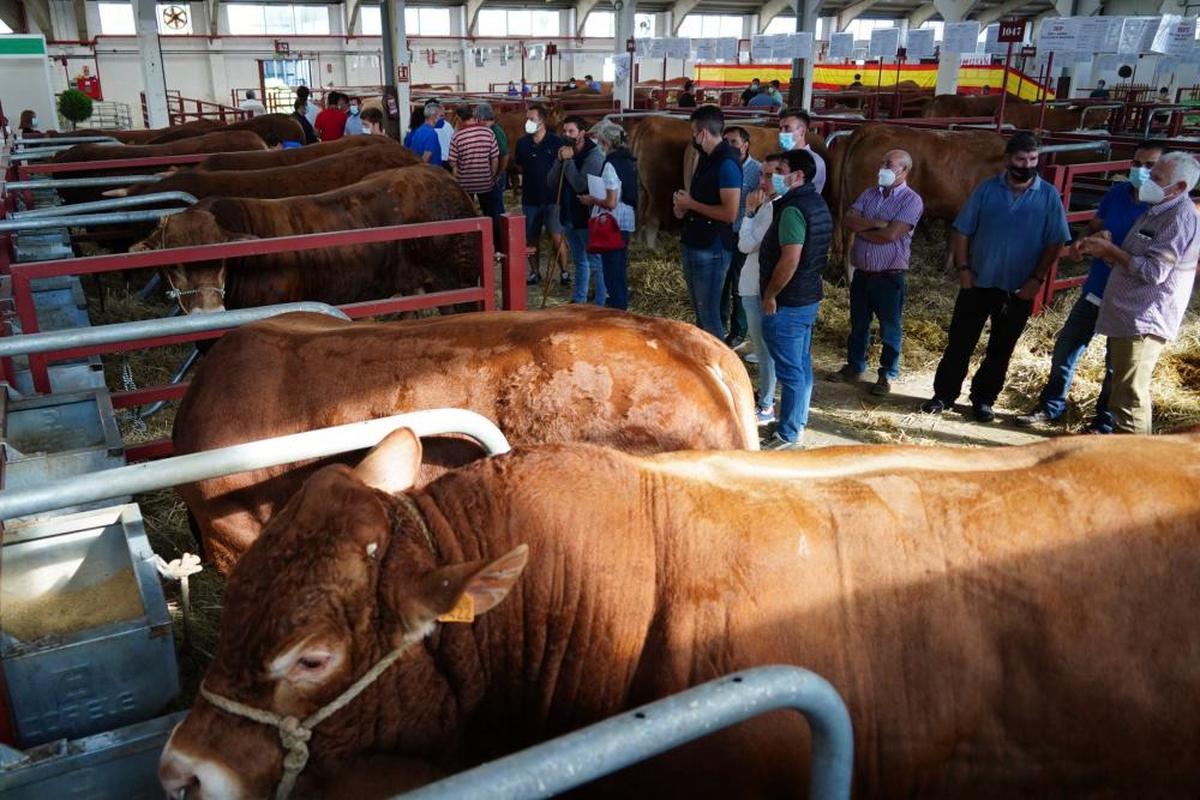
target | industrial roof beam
x=678, y=11
x=473, y=7
x=989, y=15
x=853, y=12
x=770, y=10
x=214, y=16
x=923, y=14
x=351, y=14
x=582, y=9
x=38, y=12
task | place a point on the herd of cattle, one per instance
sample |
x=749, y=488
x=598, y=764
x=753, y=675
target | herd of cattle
x=1000, y=623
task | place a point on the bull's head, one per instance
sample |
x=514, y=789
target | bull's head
x=330, y=589
x=198, y=286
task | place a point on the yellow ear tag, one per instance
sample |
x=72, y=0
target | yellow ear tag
x=463, y=611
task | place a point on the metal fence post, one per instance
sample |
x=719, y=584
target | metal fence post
x=513, y=287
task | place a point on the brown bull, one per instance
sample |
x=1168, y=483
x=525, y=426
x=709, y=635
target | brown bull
x=313, y=177
x=1013, y=622
x=636, y=383
x=149, y=135
x=331, y=275
x=273, y=128
x=290, y=157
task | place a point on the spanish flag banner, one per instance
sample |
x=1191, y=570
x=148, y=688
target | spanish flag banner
x=831, y=77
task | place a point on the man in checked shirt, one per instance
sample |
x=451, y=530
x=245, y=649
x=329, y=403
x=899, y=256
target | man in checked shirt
x=1147, y=295
x=882, y=219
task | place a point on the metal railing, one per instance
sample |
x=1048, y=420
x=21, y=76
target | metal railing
x=100, y=206
x=107, y=484
x=606, y=747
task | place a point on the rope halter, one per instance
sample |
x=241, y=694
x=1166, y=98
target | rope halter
x=295, y=733
x=175, y=294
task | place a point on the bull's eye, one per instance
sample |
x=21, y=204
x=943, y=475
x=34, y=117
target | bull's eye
x=313, y=662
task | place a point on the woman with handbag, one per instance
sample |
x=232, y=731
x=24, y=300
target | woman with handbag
x=613, y=217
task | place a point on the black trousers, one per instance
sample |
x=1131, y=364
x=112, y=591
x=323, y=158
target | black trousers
x=972, y=308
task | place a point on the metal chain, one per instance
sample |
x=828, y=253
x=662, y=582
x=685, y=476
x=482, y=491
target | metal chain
x=128, y=384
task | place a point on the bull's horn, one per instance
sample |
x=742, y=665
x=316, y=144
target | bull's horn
x=116, y=193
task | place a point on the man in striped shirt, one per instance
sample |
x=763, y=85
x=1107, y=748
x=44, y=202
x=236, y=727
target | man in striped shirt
x=882, y=220
x=475, y=156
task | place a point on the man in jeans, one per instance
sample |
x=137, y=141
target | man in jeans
x=1153, y=272
x=882, y=220
x=578, y=158
x=536, y=154
x=731, y=303
x=1003, y=243
x=1119, y=209
x=791, y=259
x=708, y=211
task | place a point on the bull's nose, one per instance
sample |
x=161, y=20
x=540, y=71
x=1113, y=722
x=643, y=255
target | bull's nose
x=187, y=776
x=178, y=780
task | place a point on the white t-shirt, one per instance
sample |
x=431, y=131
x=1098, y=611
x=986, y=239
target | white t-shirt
x=819, y=177
x=750, y=236
x=444, y=134
x=626, y=216
x=253, y=106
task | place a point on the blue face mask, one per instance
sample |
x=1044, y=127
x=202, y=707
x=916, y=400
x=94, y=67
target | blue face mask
x=1139, y=175
x=778, y=183
x=354, y=111
x=787, y=140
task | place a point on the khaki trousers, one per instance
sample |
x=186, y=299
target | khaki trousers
x=1132, y=360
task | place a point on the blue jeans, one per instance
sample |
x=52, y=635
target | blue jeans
x=586, y=265
x=789, y=337
x=881, y=296
x=704, y=271
x=752, y=304
x=1069, y=347
x=616, y=277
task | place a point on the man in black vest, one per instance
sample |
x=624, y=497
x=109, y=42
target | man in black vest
x=791, y=259
x=708, y=211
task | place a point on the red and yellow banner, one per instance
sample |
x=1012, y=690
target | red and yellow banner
x=831, y=77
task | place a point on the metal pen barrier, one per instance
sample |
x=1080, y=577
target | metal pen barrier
x=650, y=730
x=165, y=473
x=112, y=203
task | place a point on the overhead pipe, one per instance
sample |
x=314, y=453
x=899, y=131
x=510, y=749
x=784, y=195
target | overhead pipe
x=115, y=218
x=152, y=476
x=1102, y=145
x=106, y=205
x=628, y=738
x=56, y=140
x=76, y=183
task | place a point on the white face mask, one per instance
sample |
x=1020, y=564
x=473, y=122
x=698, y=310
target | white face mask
x=886, y=177
x=34, y=122
x=531, y=127
x=1150, y=192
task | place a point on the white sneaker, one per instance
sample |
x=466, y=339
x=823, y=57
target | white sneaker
x=750, y=358
x=745, y=347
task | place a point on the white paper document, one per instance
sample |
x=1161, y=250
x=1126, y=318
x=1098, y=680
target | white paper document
x=596, y=187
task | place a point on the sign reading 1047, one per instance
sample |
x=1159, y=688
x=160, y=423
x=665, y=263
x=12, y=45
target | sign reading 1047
x=1011, y=30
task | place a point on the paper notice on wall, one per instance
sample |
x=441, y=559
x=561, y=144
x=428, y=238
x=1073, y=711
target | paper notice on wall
x=727, y=49
x=960, y=37
x=841, y=45
x=1181, y=37
x=705, y=49
x=1105, y=62
x=1059, y=35
x=919, y=42
x=658, y=48
x=1138, y=34
x=800, y=45
x=621, y=66
x=1098, y=34
x=679, y=48
x=992, y=43
x=645, y=48
x=884, y=43
x=1164, y=71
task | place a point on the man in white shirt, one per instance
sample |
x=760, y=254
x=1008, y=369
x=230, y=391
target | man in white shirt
x=793, y=128
x=252, y=104
x=755, y=224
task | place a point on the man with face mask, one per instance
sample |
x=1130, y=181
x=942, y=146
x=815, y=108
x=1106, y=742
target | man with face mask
x=731, y=305
x=791, y=259
x=1119, y=209
x=536, y=154
x=793, y=132
x=578, y=158
x=1153, y=271
x=708, y=210
x=354, y=125
x=1004, y=241
x=749, y=93
x=882, y=220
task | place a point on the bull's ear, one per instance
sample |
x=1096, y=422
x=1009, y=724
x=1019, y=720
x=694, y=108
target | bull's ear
x=461, y=592
x=393, y=464
x=139, y=247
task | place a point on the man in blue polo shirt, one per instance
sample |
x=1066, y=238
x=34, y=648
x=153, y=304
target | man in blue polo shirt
x=1119, y=210
x=425, y=142
x=1003, y=244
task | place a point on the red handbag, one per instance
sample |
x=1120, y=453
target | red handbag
x=604, y=235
